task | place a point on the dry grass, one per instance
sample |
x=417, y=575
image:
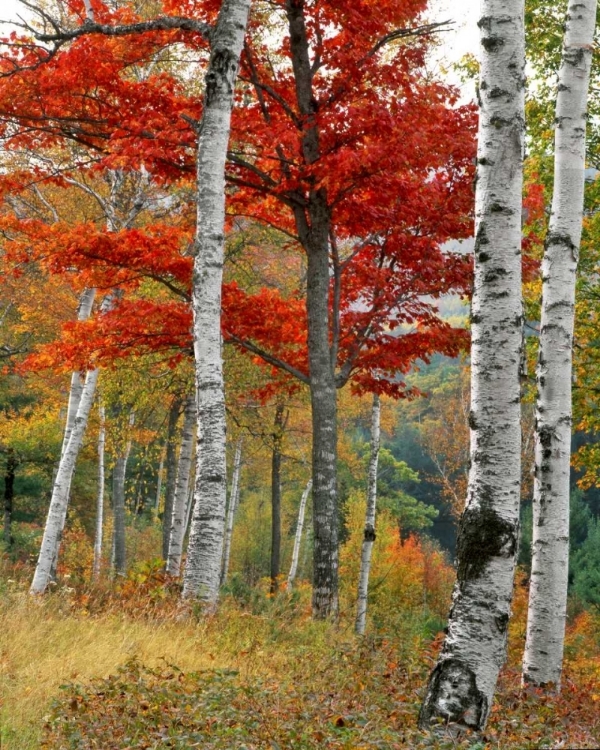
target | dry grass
x=46, y=643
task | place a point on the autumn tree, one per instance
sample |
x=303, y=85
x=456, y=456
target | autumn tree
x=542, y=663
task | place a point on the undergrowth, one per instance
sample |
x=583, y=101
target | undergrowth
x=122, y=666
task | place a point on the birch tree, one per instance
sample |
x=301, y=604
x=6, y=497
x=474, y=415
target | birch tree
x=234, y=498
x=119, y=475
x=205, y=549
x=542, y=662
x=100, y=497
x=180, y=499
x=171, y=478
x=59, y=501
x=461, y=686
x=369, y=532
x=298, y=536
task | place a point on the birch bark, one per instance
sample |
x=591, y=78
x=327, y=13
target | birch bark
x=462, y=684
x=298, y=537
x=100, y=498
x=542, y=663
x=84, y=310
x=369, y=533
x=205, y=549
x=60, y=494
x=180, y=499
x=119, y=475
x=171, y=461
x=57, y=512
x=234, y=498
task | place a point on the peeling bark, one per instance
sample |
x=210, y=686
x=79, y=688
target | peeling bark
x=542, y=663
x=462, y=685
x=205, y=549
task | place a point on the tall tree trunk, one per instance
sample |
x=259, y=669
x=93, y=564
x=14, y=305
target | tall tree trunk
x=234, y=497
x=100, y=498
x=298, y=537
x=205, y=549
x=542, y=663
x=60, y=494
x=171, y=461
x=462, y=684
x=313, y=224
x=278, y=427
x=84, y=310
x=180, y=501
x=119, y=475
x=369, y=533
x=9, y=494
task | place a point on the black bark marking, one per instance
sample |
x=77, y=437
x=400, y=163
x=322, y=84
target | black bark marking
x=369, y=535
x=453, y=695
x=492, y=43
x=220, y=76
x=482, y=535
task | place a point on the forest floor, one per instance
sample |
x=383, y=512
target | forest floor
x=81, y=670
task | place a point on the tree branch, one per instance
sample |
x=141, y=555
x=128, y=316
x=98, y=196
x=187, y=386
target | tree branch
x=269, y=358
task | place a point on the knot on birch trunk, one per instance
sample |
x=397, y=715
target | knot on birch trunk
x=482, y=535
x=370, y=534
x=453, y=696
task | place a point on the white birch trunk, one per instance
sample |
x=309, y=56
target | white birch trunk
x=84, y=310
x=462, y=684
x=180, y=501
x=205, y=550
x=60, y=493
x=119, y=475
x=57, y=512
x=542, y=663
x=298, y=536
x=100, y=499
x=234, y=497
x=369, y=533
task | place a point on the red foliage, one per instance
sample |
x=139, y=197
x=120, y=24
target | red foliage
x=395, y=161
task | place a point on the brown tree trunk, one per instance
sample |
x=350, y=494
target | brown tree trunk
x=9, y=493
x=313, y=224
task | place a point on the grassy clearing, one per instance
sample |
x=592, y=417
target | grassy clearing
x=257, y=675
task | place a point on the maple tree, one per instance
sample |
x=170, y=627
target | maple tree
x=368, y=183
